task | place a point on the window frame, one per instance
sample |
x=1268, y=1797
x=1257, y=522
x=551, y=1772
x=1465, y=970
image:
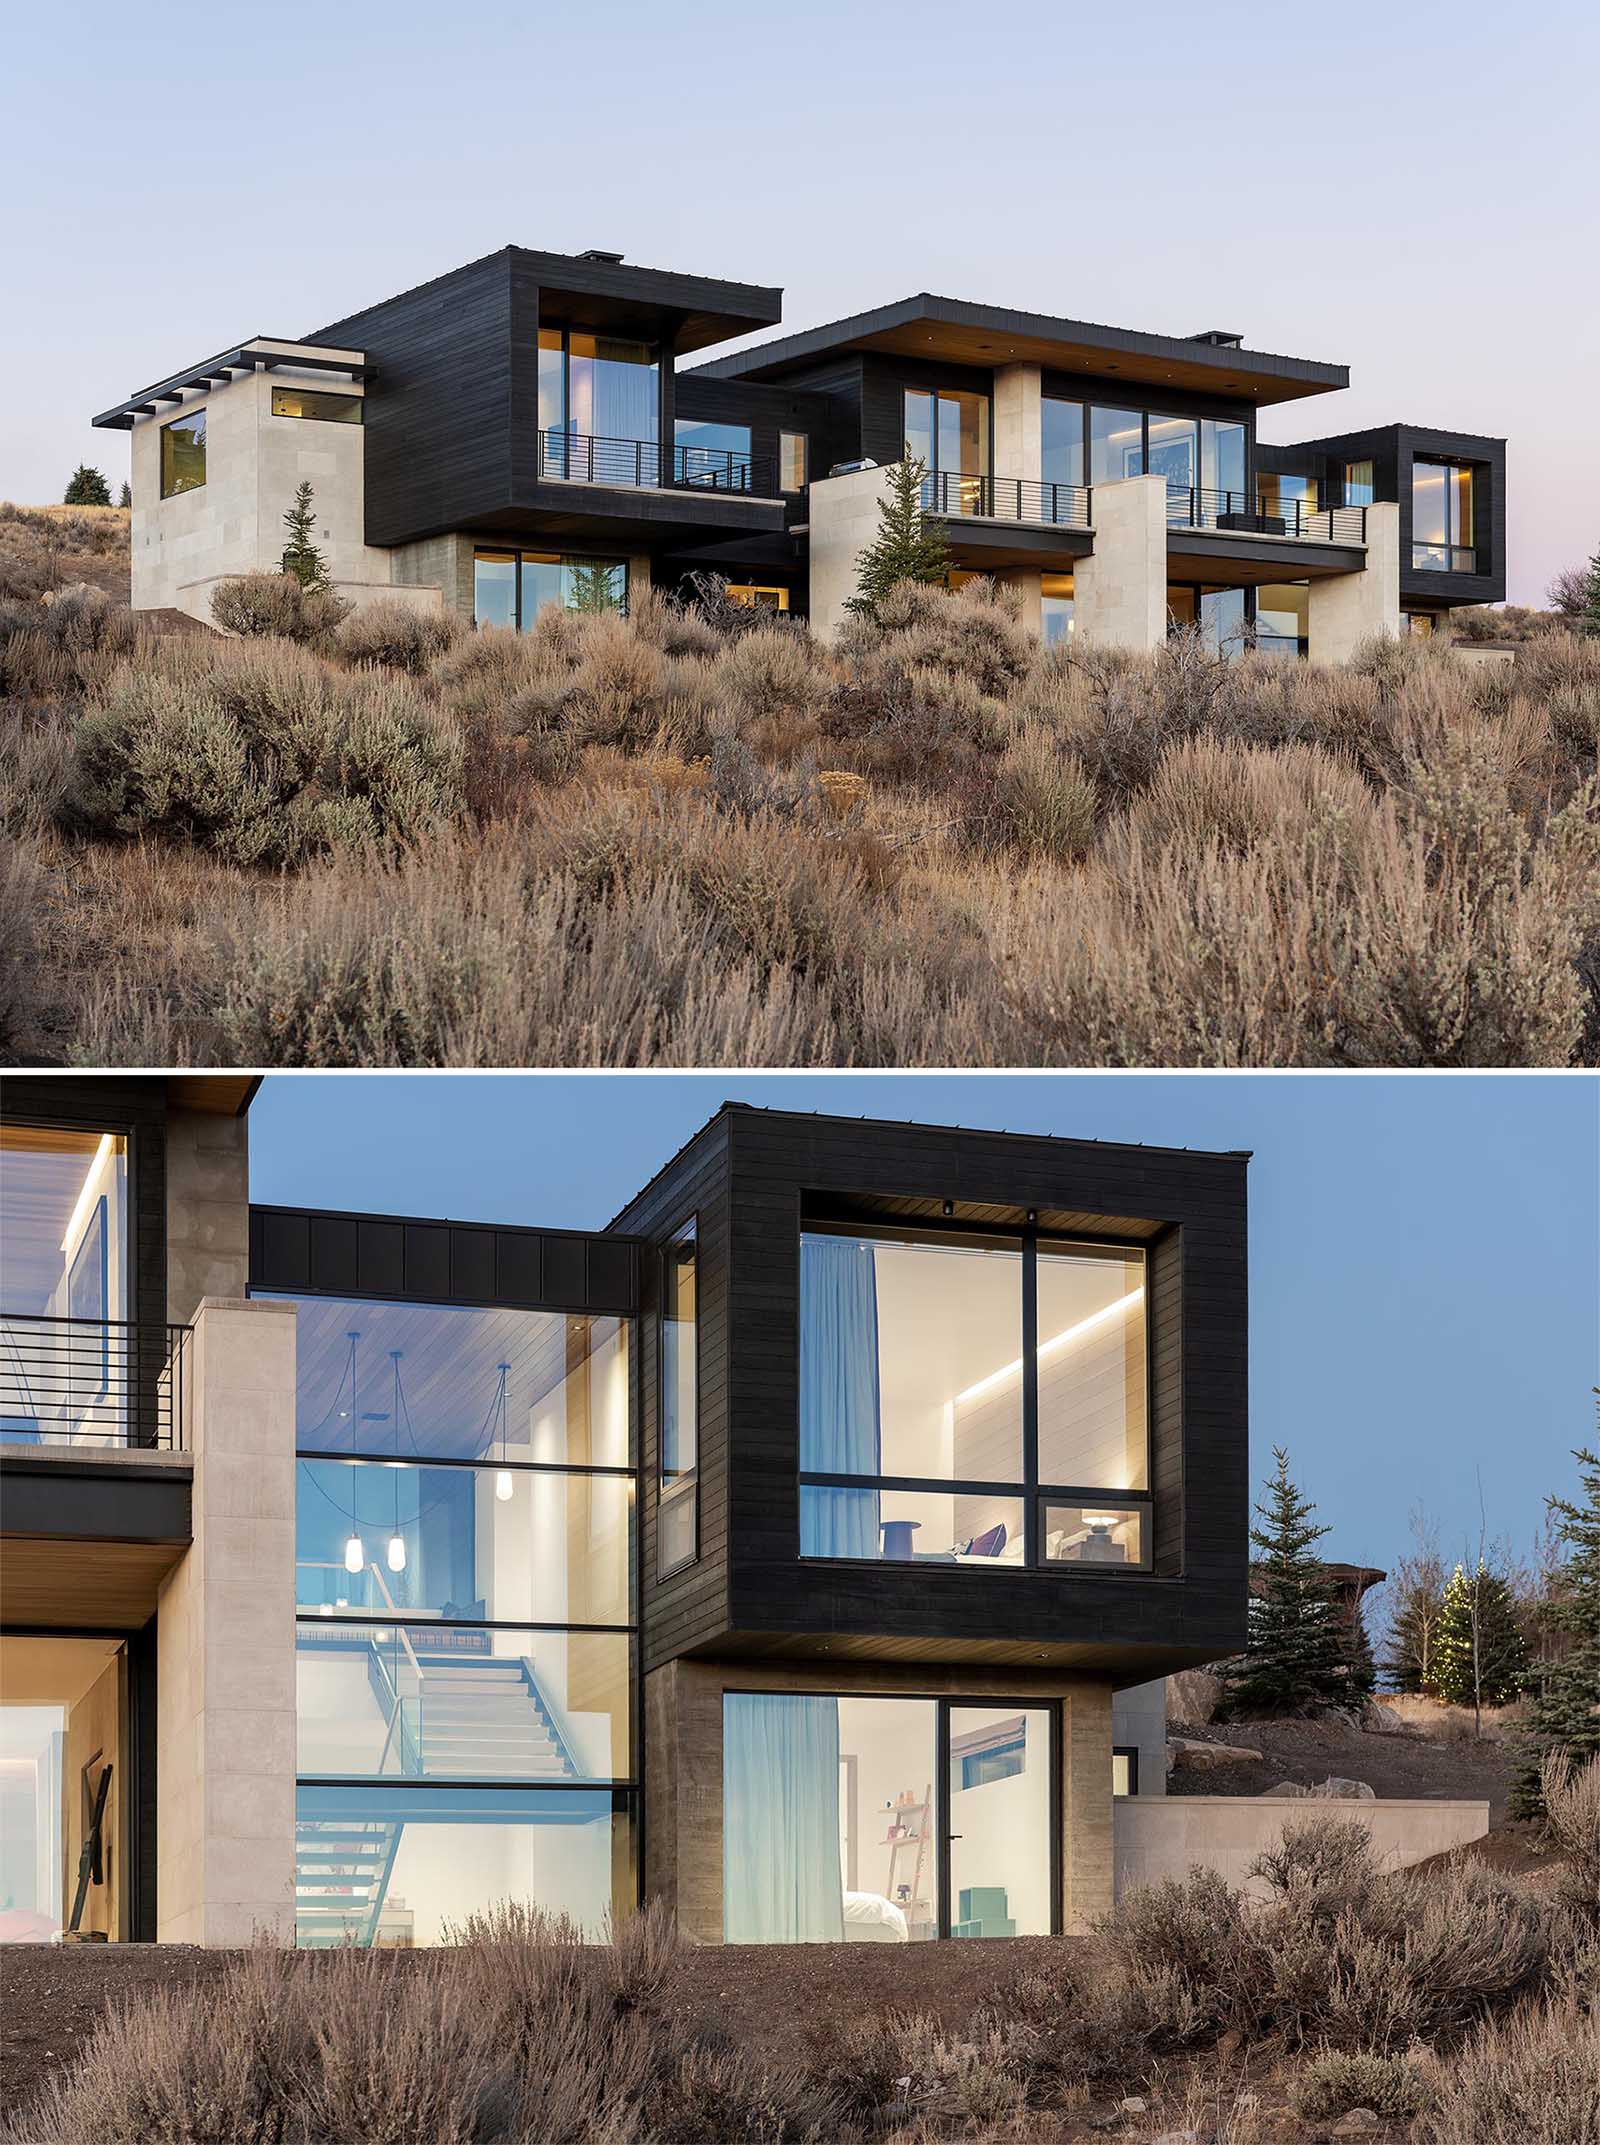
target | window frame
x=519, y=555
x=355, y=403
x=1458, y=558
x=170, y=490
x=1031, y=1491
x=786, y=440
x=1130, y=1753
x=684, y=1483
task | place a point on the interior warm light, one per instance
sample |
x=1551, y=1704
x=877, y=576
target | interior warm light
x=80, y=1213
x=503, y=1485
x=327, y=1608
x=397, y=1552
x=354, y=1555
x=1046, y=1348
x=1103, y=1519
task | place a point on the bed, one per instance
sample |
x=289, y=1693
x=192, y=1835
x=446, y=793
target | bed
x=869, y=1918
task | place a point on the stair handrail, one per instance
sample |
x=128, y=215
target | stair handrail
x=397, y=1715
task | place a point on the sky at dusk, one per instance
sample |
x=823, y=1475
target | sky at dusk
x=1424, y=1250
x=1408, y=189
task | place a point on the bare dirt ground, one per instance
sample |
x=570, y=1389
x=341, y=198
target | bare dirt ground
x=1305, y=1751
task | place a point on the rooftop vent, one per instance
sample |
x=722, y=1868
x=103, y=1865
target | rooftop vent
x=1219, y=338
x=599, y=253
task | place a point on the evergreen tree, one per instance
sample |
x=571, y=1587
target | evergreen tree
x=594, y=587
x=126, y=498
x=300, y=555
x=1360, y=1669
x=1296, y=1657
x=1482, y=1656
x=910, y=545
x=1591, y=608
x=1564, y=1708
x=87, y=488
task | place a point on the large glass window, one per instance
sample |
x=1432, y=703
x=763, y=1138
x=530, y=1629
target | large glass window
x=948, y=429
x=1000, y=1821
x=1175, y=450
x=67, y=1371
x=183, y=454
x=595, y=387
x=399, y=1866
x=464, y=1571
x=1441, y=518
x=1358, y=483
x=1222, y=460
x=1061, y=440
x=1055, y=609
x=63, y=1719
x=1288, y=499
x=1283, y=614
x=1221, y=618
x=793, y=453
x=511, y=588
x=914, y=1412
x=715, y=457
x=1116, y=445
x=328, y=409
x=676, y=1516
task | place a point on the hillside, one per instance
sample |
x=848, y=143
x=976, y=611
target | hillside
x=1391, y=1764
x=697, y=836
x=51, y=547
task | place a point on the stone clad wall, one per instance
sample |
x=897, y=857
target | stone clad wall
x=1164, y=1835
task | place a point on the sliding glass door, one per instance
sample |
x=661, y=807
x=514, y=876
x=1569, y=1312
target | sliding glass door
x=887, y=1820
x=948, y=431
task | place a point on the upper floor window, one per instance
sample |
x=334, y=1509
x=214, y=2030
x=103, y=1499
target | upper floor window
x=1060, y=441
x=948, y=429
x=1285, y=497
x=1222, y=463
x=971, y=1400
x=1358, y=483
x=1174, y=450
x=597, y=387
x=676, y=1524
x=712, y=455
x=1441, y=518
x=793, y=450
x=328, y=409
x=1116, y=445
x=183, y=454
x=65, y=1374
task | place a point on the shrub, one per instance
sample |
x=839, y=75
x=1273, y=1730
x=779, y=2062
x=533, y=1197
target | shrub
x=1571, y=1797
x=258, y=605
x=1337, y=2081
x=265, y=755
x=21, y=895
x=399, y=635
x=1529, y=2080
x=1046, y=802
x=61, y=650
x=725, y=2097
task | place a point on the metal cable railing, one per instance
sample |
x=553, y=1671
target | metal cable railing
x=647, y=465
x=1197, y=507
x=947, y=492
x=91, y=1381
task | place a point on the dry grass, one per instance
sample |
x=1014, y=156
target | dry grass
x=932, y=844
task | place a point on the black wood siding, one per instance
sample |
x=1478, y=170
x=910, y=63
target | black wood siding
x=688, y=1611
x=309, y=1252
x=747, y=1175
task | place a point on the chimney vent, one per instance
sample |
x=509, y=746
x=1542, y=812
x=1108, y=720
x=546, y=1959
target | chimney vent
x=599, y=253
x=1219, y=338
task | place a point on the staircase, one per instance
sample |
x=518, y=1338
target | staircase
x=483, y=1720
x=341, y=1877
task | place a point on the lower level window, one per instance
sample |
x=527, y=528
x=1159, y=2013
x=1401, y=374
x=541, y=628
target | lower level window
x=399, y=1866
x=1055, y=609
x=511, y=588
x=1125, y=1770
x=885, y=1820
x=1283, y=613
x=753, y=596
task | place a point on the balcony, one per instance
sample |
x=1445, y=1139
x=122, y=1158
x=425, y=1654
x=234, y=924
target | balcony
x=1236, y=513
x=650, y=465
x=1444, y=558
x=92, y=1383
x=1060, y=506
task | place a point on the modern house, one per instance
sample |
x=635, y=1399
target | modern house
x=525, y=431
x=801, y=1547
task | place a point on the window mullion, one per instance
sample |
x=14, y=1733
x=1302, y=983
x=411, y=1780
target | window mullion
x=1030, y=1396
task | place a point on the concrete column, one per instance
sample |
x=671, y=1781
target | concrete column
x=1350, y=608
x=208, y=1209
x=1087, y=1845
x=225, y=1668
x=1018, y=423
x=1120, y=589
x=843, y=521
x=1027, y=584
x=683, y=1795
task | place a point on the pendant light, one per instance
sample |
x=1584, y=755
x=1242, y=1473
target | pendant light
x=397, y=1541
x=503, y=1483
x=355, y=1555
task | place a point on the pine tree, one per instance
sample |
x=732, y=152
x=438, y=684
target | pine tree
x=1564, y=1707
x=126, y=498
x=1591, y=608
x=300, y=555
x=1296, y=1657
x=1360, y=1669
x=1482, y=1656
x=910, y=545
x=593, y=587
x=87, y=488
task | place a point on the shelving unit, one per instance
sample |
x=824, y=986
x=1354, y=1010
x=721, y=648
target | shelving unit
x=911, y=1844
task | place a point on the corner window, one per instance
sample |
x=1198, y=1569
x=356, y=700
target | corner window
x=677, y=1522
x=328, y=409
x=183, y=454
x=712, y=457
x=792, y=461
x=1441, y=518
x=922, y=1441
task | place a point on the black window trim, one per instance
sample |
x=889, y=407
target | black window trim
x=685, y=1483
x=183, y=417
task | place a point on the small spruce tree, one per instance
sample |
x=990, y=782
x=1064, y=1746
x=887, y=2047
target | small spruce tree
x=594, y=587
x=126, y=496
x=1564, y=1704
x=910, y=545
x=1482, y=1657
x=87, y=488
x=1296, y=1657
x=1591, y=607
x=1361, y=1670
x=300, y=555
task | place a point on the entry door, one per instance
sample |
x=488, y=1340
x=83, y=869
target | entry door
x=999, y=1817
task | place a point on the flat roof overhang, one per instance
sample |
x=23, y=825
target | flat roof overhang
x=642, y=520
x=1203, y=555
x=979, y=544
x=1125, y=1661
x=958, y=333
x=255, y=353
x=687, y=312
x=87, y=1539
